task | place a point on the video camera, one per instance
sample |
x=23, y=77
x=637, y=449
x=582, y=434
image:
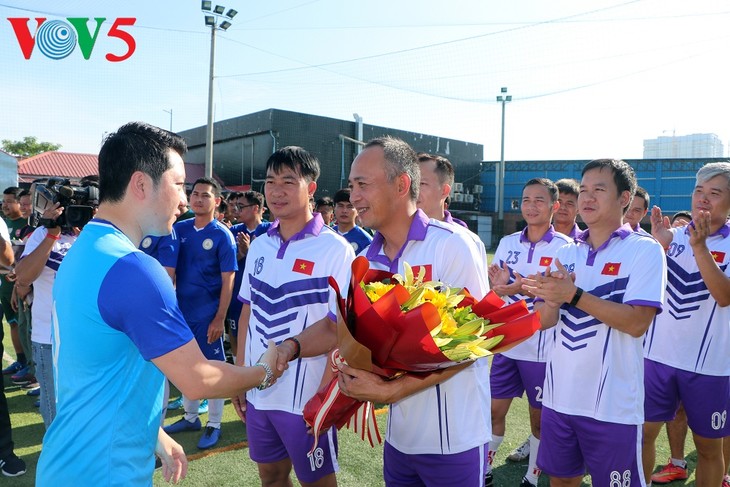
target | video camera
x=78, y=202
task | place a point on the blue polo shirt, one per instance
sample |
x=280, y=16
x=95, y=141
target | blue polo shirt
x=114, y=311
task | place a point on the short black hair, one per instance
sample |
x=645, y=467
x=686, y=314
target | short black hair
x=444, y=168
x=682, y=214
x=212, y=183
x=24, y=192
x=234, y=195
x=295, y=158
x=342, y=195
x=568, y=186
x=623, y=175
x=324, y=201
x=548, y=184
x=14, y=190
x=135, y=146
x=223, y=206
x=641, y=193
x=254, y=198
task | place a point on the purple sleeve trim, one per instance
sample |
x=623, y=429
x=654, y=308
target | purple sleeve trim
x=332, y=317
x=650, y=304
x=244, y=301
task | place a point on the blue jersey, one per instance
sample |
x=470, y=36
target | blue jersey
x=114, y=311
x=358, y=238
x=234, y=309
x=163, y=249
x=203, y=255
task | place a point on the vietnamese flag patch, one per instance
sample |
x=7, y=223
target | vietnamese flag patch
x=303, y=266
x=611, y=268
x=427, y=276
x=718, y=256
x=546, y=261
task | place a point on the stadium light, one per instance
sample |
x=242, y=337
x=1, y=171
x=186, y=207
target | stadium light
x=212, y=21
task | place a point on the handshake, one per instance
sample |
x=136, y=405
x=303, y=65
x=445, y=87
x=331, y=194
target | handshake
x=275, y=360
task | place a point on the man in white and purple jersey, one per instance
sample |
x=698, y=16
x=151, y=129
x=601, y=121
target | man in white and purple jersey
x=437, y=178
x=206, y=264
x=522, y=369
x=249, y=208
x=286, y=298
x=564, y=218
x=687, y=346
x=438, y=426
x=638, y=208
x=593, y=402
x=346, y=216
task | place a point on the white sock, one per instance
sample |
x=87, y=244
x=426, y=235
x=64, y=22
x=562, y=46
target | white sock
x=215, y=411
x=234, y=358
x=191, y=409
x=493, y=447
x=532, y=471
x=679, y=462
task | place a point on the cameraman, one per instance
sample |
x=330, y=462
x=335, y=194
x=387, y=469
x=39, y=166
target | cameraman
x=43, y=253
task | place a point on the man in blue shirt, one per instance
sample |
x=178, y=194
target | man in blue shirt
x=249, y=212
x=346, y=214
x=117, y=327
x=205, y=270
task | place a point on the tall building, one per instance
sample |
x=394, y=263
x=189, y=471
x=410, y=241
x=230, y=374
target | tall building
x=684, y=146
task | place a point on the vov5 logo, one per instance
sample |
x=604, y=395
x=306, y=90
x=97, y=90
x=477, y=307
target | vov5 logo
x=57, y=39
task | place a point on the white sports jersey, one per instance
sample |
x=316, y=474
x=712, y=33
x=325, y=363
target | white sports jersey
x=525, y=258
x=594, y=370
x=453, y=416
x=286, y=285
x=43, y=285
x=693, y=333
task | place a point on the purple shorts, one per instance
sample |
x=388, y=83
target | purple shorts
x=705, y=398
x=510, y=378
x=610, y=452
x=276, y=435
x=432, y=470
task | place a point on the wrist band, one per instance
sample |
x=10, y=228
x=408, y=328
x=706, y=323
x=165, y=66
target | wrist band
x=53, y=237
x=576, y=296
x=299, y=348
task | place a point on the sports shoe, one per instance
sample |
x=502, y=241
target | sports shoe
x=210, y=438
x=520, y=453
x=37, y=404
x=183, y=424
x=175, y=404
x=526, y=483
x=12, y=466
x=203, y=408
x=23, y=379
x=34, y=392
x=489, y=479
x=13, y=368
x=669, y=473
x=31, y=386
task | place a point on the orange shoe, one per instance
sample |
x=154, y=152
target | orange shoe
x=669, y=473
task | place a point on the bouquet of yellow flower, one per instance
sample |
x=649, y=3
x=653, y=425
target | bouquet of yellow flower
x=393, y=324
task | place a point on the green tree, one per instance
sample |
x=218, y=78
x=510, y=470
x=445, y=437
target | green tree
x=27, y=147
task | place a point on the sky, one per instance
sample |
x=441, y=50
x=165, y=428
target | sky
x=588, y=78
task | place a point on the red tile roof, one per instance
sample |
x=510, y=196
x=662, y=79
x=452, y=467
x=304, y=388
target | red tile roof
x=60, y=164
x=74, y=165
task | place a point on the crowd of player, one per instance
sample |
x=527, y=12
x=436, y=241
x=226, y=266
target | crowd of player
x=623, y=312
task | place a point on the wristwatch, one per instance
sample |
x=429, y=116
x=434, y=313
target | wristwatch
x=268, y=379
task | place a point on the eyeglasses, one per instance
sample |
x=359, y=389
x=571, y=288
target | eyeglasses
x=241, y=207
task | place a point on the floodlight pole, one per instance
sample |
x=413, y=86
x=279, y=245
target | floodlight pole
x=500, y=177
x=209, y=131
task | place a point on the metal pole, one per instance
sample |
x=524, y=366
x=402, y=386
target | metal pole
x=500, y=205
x=209, y=132
x=170, y=112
